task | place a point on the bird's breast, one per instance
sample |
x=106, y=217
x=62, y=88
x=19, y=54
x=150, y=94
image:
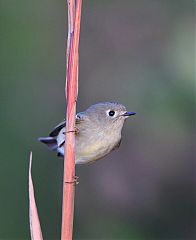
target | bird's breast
x=92, y=149
x=89, y=146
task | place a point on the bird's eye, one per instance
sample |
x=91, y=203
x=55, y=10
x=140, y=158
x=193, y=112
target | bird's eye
x=111, y=113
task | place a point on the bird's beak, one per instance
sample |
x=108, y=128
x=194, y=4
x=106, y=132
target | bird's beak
x=128, y=114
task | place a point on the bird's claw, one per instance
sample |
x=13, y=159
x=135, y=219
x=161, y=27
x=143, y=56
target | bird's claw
x=76, y=131
x=75, y=181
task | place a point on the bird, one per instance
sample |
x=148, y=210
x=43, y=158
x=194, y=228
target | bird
x=98, y=132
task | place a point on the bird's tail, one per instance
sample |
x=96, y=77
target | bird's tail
x=50, y=142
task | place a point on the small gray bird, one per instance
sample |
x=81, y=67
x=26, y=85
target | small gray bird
x=98, y=132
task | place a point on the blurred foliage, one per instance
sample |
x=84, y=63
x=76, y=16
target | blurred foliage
x=139, y=53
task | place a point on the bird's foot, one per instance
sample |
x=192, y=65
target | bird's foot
x=74, y=181
x=76, y=131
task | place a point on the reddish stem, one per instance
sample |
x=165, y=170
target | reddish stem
x=74, y=13
x=35, y=228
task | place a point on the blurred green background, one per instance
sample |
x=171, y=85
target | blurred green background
x=139, y=53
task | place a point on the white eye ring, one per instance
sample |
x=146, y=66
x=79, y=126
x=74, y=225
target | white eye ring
x=111, y=113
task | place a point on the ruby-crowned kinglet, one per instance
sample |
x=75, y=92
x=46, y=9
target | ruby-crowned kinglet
x=98, y=132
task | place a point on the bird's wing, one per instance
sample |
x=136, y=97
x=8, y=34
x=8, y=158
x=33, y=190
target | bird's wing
x=57, y=129
x=61, y=125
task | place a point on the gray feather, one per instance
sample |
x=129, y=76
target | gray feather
x=50, y=142
x=57, y=129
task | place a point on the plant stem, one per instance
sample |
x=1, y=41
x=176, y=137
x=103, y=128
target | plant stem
x=74, y=15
